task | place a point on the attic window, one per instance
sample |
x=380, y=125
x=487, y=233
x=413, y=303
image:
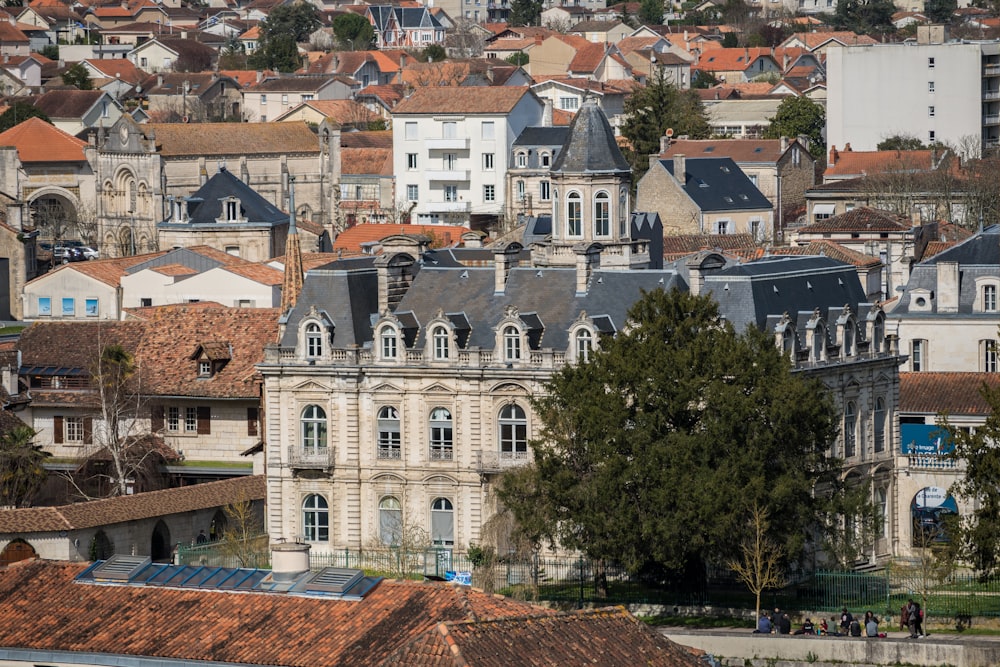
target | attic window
x=744, y=197
x=725, y=169
x=728, y=200
x=232, y=210
x=204, y=368
x=759, y=149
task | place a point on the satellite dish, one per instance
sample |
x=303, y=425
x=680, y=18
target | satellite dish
x=670, y=131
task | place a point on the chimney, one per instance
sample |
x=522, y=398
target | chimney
x=159, y=80
x=260, y=76
x=680, y=168
x=547, y=113
x=289, y=560
x=664, y=144
x=785, y=60
x=588, y=258
x=336, y=64
x=402, y=62
x=504, y=259
x=947, y=287
x=489, y=74
x=784, y=144
x=833, y=156
x=915, y=218
x=395, y=274
x=847, y=147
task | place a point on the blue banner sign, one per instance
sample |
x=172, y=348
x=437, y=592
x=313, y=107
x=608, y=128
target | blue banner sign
x=925, y=439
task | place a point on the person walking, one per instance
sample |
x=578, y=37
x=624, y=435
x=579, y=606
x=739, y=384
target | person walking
x=911, y=618
x=920, y=619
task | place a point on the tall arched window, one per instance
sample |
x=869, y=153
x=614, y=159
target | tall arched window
x=848, y=338
x=574, y=214
x=819, y=343
x=879, y=425
x=315, y=519
x=511, y=344
x=850, y=430
x=442, y=522
x=584, y=345
x=788, y=340
x=388, y=343
x=389, y=439
x=314, y=341
x=882, y=507
x=390, y=520
x=878, y=335
x=513, y=433
x=442, y=349
x=602, y=214
x=313, y=429
x=441, y=435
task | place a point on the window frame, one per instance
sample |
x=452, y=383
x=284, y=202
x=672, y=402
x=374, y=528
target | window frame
x=574, y=214
x=988, y=355
x=511, y=343
x=313, y=335
x=918, y=355
x=388, y=343
x=390, y=507
x=441, y=434
x=440, y=343
x=314, y=429
x=442, y=507
x=512, y=432
x=315, y=518
x=850, y=429
x=583, y=345
x=602, y=214
x=878, y=424
x=389, y=433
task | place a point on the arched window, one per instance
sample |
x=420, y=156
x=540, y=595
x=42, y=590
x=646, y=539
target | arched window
x=390, y=520
x=879, y=425
x=315, y=519
x=602, y=214
x=546, y=159
x=313, y=429
x=882, y=507
x=521, y=159
x=850, y=430
x=819, y=343
x=788, y=340
x=442, y=522
x=389, y=439
x=574, y=214
x=441, y=435
x=511, y=344
x=878, y=334
x=584, y=345
x=513, y=433
x=848, y=338
x=388, y=343
x=101, y=547
x=442, y=347
x=314, y=341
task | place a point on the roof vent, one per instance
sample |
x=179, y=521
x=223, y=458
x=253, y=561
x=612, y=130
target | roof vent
x=120, y=568
x=289, y=560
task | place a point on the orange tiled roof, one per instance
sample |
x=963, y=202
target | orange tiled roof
x=366, y=161
x=474, y=99
x=177, y=139
x=107, y=271
x=246, y=628
x=260, y=273
x=733, y=60
x=829, y=249
x=860, y=219
x=131, y=508
x=366, y=139
x=344, y=112
x=350, y=239
x=39, y=141
x=857, y=163
x=174, y=270
x=681, y=245
x=813, y=40
x=245, y=77
x=587, y=58
x=950, y=393
x=117, y=68
x=740, y=150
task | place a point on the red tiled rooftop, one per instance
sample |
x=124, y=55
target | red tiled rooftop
x=450, y=99
x=350, y=239
x=861, y=219
x=39, y=141
x=948, y=393
x=857, y=163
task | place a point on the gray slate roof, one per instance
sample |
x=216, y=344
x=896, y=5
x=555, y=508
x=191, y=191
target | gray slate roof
x=591, y=146
x=206, y=203
x=348, y=298
x=717, y=184
x=554, y=135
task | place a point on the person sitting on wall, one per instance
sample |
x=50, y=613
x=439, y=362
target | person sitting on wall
x=763, y=625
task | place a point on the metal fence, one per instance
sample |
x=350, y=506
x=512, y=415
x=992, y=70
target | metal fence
x=580, y=582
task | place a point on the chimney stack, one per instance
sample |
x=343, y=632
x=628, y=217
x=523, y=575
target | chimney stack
x=289, y=560
x=504, y=259
x=588, y=258
x=784, y=144
x=395, y=275
x=833, y=156
x=947, y=287
x=547, y=113
x=664, y=144
x=680, y=168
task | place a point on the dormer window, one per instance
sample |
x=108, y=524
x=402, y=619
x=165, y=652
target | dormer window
x=442, y=346
x=546, y=159
x=989, y=298
x=314, y=341
x=205, y=369
x=584, y=345
x=232, y=208
x=511, y=344
x=848, y=341
x=388, y=342
x=521, y=159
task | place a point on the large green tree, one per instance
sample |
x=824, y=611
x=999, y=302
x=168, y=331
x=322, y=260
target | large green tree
x=864, y=16
x=77, y=75
x=654, y=109
x=651, y=12
x=21, y=471
x=654, y=453
x=901, y=142
x=19, y=112
x=353, y=32
x=940, y=11
x=799, y=116
x=280, y=33
x=525, y=12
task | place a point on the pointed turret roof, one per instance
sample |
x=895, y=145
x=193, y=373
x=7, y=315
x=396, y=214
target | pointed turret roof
x=590, y=146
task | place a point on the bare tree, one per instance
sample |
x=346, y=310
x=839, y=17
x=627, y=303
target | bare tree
x=407, y=543
x=759, y=563
x=243, y=536
x=465, y=40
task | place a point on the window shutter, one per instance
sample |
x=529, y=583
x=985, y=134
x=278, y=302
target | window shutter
x=156, y=418
x=252, y=421
x=57, y=430
x=204, y=420
x=88, y=430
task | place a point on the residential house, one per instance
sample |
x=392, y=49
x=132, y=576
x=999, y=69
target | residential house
x=820, y=42
x=601, y=31
x=450, y=626
x=381, y=100
x=385, y=237
x=163, y=53
x=365, y=67
x=25, y=70
x=227, y=214
x=740, y=118
x=529, y=181
x=657, y=59
x=705, y=195
x=451, y=145
x=847, y=163
x=134, y=11
x=59, y=22
x=140, y=167
x=735, y=65
x=192, y=97
x=145, y=524
x=781, y=169
x=134, y=34
x=349, y=114
x=367, y=186
x=404, y=27
x=13, y=40
x=568, y=94
x=275, y=96
x=574, y=56
x=250, y=39
x=561, y=17
x=512, y=40
x=117, y=76
x=74, y=111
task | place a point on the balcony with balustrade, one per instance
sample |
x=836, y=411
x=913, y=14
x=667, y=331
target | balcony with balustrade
x=311, y=458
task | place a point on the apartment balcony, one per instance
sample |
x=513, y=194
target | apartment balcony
x=496, y=462
x=991, y=94
x=455, y=144
x=449, y=175
x=991, y=70
x=319, y=458
x=991, y=119
x=443, y=207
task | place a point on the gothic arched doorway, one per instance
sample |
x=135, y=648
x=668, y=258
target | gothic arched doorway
x=160, y=550
x=16, y=551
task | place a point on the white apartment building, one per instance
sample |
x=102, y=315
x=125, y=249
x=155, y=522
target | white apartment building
x=936, y=90
x=451, y=147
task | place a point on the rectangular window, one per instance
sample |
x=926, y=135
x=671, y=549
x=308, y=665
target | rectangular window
x=930, y=86
x=305, y=98
x=253, y=421
x=569, y=103
x=145, y=302
x=931, y=137
x=989, y=298
x=488, y=161
x=205, y=369
x=753, y=179
x=411, y=131
x=918, y=355
x=191, y=420
x=411, y=161
x=91, y=307
x=68, y=307
x=411, y=192
x=544, y=190
x=489, y=193
x=930, y=63
x=263, y=100
x=489, y=130
x=74, y=429
x=930, y=111
x=173, y=419
x=989, y=356
x=284, y=100
x=451, y=193
x=449, y=129
x=44, y=306
x=722, y=227
x=520, y=190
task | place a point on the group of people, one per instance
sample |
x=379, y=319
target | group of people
x=780, y=624
x=911, y=617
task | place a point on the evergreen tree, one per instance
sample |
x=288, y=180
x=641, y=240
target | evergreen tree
x=799, y=116
x=865, y=16
x=77, y=75
x=353, y=32
x=19, y=112
x=280, y=33
x=525, y=12
x=901, y=142
x=653, y=453
x=651, y=111
x=651, y=12
x=21, y=471
x=940, y=11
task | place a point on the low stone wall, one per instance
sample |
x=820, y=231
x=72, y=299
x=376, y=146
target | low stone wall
x=814, y=651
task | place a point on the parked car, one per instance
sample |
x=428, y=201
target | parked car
x=65, y=254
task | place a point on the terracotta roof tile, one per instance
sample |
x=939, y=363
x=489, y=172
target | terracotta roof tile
x=244, y=628
x=686, y=244
x=813, y=40
x=740, y=150
x=67, y=103
x=370, y=139
x=117, y=68
x=131, y=508
x=829, y=249
x=198, y=139
x=344, y=112
x=174, y=270
x=365, y=161
x=108, y=271
x=243, y=76
x=9, y=34
x=858, y=163
x=473, y=99
x=39, y=141
x=860, y=219
x=948, y=393
x=350, y=239
x=74, y=345
x=260, y=273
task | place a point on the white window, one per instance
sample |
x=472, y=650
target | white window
x=442, y=522
x=232, y=210
x=389, y=438
x=722, y=227
x=989, y=298
x=918, y=355
x=205, y=369
x=263, y=100
x=488, y=161
x=931, y=137
x=173, y=419
x=489, y=193
x=410, y=131
x=314, y=341
x=411, y=161
x=315, y=519
x=411, y=192
x=191, y=419
x=449, y=160
x=390, y=520
x=513, y=432
x=284, y=100
x=313, y=429
x=389, y=343
x=544, y=190
x=584, y=345
x=488, y=130
x=569, y=103
x=602, y=214
x=519, y=186
x=850, y=430
x=989, y=348
x=449, y=129
x=74, y=429
x=442, y=346
x=521, y=159
x=574, y=214
x=451, y=193
x=511, y=344
x=441, y=435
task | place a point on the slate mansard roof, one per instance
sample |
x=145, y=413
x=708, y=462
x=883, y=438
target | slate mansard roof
x=205, y=205
x=717, y=184
x=591, y=146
